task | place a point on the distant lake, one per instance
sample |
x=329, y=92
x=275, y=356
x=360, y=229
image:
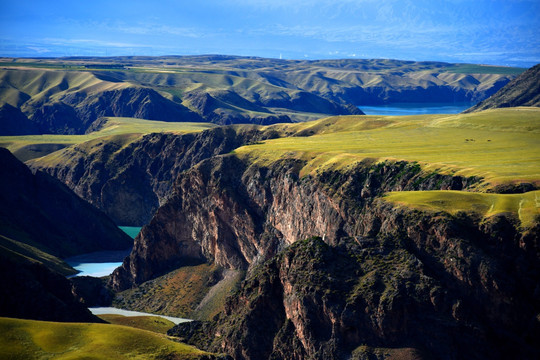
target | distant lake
x=111, y=310
x=399, y=109
x=101, y=263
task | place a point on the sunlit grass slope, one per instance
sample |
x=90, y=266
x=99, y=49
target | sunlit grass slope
x=501, y=146
x=525, y=206
x=151, y=323
x=32, y=146
x=29, y=339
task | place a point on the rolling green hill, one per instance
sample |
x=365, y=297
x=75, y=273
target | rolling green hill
x=27, y=339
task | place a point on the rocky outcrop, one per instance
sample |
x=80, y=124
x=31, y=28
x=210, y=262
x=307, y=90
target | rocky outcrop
x=426, y=287
x=57, y=118
x=39, y=210
x=227, y=107
x=522, y=91
x=308, y=102
x=91, y=291
x=237, y=215
x=130, y=182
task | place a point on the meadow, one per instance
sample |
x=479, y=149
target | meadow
x=31, y=339
x=526, y=206
x=501, y=146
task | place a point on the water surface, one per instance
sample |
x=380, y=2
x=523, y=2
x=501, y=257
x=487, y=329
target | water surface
x=111, y=310
x=101, y=263
x=132, y=231
x=399, y=109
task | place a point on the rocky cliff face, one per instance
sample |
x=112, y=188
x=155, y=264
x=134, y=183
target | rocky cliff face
x=429, y=289
x=522, y=91
x=237, y=215
x=130, y=182
x=378, y=278
x=129, y=102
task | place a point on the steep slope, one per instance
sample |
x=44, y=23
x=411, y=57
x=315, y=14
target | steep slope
x=129, y=182
x=14, y=122
x=383, y=277
x=68, y=102
x=31, y=290
x=236, y=215
x=226, y=107
x=423, y=287
x=522, y=91
x=38, y=210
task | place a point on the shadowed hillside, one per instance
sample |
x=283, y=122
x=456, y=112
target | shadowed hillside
x=39, y=211
x=522, y=91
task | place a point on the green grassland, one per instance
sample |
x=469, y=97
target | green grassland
x=501, y=146
x=125, y=129
x=463, y=144
x=484, y=69
x=526, y=206
x=30, y=339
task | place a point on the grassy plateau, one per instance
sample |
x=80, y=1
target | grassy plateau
x=128, y=129
x=501, y=146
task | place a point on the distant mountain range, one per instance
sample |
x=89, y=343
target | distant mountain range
x=67, y=95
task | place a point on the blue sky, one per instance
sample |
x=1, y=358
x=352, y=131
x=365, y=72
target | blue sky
x=476, y=31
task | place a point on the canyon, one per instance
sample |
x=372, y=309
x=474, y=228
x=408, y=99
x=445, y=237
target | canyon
x=347, y=237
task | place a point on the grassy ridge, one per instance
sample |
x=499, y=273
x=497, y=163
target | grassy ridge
x=32, y=146
x=29, y=339
x=525, y=206
x=463, y=144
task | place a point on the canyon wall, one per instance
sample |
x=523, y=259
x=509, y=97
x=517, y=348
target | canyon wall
x=376, y=279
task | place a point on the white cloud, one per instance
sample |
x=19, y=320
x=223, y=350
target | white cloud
x=39, y=50
x=154, y=29
x=90, y=42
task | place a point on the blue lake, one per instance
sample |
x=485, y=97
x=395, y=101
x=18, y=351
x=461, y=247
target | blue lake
x=101, y=263
x=399, y=109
